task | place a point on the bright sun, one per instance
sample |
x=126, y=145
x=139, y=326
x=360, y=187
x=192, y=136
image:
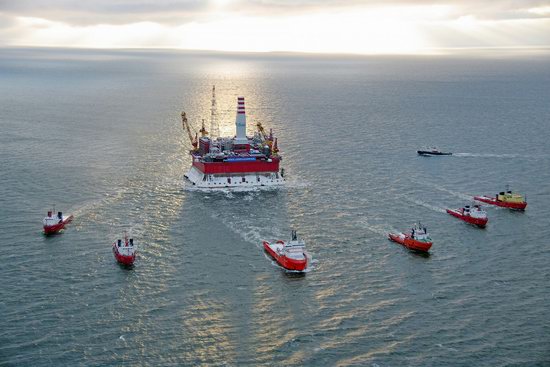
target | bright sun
x=386, y=30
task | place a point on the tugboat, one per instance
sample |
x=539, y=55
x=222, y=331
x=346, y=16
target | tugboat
x=473, y=215
x=54, y=224
x=432, y=151
x=417, y=240
x=291, y=255
x=505, y=199
x=125, y=253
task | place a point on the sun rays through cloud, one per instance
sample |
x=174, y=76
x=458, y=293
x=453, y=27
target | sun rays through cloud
x=311, y=26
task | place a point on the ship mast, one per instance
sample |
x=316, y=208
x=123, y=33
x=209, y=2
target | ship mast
x=214, y=127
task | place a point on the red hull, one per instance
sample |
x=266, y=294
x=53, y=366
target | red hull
x=57, y=227
x=411, y=244
x=238, y=167
x=285, y=262
x=504, y=204
x=124, y=260
x=480, y=222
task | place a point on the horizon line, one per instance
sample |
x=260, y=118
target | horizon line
x=433, y=51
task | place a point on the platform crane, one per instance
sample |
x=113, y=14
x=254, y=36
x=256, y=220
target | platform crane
x=187, y=128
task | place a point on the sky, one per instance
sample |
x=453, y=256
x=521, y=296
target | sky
x=319, y=26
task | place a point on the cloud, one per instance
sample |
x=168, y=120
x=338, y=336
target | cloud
x=78, y=12
x=349, y=26
x=106, y=12
x=8, y=29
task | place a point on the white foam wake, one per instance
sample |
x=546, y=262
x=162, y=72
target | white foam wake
x=92, y=206
x=435, y=208
x=381, y=229
x=458, y=194
x=488, y=155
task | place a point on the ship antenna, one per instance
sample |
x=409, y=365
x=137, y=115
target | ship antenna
x=214, y=127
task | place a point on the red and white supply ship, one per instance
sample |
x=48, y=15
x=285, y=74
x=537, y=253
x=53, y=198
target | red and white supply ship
x=54, y=224
x=239, y=161
x=417, y=240
x=291, y=255
x=125, y=253
x=471, y=214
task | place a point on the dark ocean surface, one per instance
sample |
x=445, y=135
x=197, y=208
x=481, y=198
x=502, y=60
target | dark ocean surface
x=98, y=134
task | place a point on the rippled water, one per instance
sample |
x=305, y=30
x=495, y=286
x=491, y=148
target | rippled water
x=97, y=133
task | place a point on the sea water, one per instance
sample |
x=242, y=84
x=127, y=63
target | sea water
x=97, y=133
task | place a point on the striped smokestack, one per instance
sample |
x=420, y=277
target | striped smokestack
x=240, y=122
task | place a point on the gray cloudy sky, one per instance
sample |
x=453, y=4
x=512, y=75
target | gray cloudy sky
x=371, y=26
